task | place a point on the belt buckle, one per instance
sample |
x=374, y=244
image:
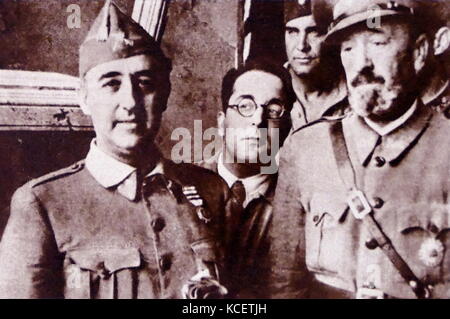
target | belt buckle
x=369, y=293
x=358, y=203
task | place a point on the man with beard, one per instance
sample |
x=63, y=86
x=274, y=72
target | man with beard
x=256, y=101
x=317, y=82
x=361, y=206
x=124, y=222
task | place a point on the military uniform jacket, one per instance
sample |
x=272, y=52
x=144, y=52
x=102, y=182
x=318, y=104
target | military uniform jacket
x=67, y=236
x=406, y=177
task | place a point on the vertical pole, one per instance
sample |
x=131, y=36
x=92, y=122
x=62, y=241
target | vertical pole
x=239, y=60
x=151, y=15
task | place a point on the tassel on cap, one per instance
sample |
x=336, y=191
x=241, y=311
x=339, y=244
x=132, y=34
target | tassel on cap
x=104, y=29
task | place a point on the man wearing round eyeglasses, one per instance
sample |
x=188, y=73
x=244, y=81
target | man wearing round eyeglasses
x=257, y=99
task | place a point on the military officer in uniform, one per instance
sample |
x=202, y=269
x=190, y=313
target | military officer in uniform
x=361, y=205
x=124, y=222
x=318, y=84
x=256, y=98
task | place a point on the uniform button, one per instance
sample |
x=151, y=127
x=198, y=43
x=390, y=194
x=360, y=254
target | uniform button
x=433, y=228
x=371, y=243
x=378, y=202
x=165, y=262
x=380, y=161
x=102, y=271
x=158, y=224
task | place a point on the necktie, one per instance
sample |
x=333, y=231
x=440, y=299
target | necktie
x=238, y=191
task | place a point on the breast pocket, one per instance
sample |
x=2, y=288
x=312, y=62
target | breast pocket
x=327, y=234
x=101, y=273
x=423, y=238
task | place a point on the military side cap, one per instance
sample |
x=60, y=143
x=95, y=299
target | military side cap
x=347, y=13
x=114, y=36
x=294, y=9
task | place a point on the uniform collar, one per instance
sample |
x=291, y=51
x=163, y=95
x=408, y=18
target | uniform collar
x=255, y=186
x=392, y=126
x=392, y=146
x=433, y=98
x=110, y=172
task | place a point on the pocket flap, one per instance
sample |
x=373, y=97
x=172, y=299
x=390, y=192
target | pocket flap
x=206, y=250
x=328, y=204
x=429, y=217
x=110, y=259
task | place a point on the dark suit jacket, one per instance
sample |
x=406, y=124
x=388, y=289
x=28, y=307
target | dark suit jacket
x=249, y=241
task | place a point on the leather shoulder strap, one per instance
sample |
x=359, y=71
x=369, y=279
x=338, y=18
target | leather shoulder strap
x=348, y=177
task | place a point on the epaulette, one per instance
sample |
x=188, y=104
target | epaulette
x=74, y=168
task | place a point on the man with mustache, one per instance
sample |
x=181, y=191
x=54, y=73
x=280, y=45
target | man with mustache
x=124, y=222
x=256, y=101
x=318, y=83
x=361, y=205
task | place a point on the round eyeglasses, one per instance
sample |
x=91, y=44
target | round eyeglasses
x=247, y=107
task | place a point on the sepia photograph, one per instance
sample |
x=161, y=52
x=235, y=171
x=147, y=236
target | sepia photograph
x=237, y=150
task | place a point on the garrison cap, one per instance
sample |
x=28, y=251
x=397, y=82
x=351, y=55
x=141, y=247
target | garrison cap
x=294, y=9
x=115, y=36
x=347, y=13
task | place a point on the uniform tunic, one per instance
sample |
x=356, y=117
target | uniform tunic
x=406, y=177
x=69, y=236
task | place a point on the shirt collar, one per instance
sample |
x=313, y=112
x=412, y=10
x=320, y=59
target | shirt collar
x=110, y=172
x=255, y=186
x=391, y=146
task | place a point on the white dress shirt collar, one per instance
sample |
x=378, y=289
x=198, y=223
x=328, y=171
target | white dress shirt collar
x=255, y=186
x=110, y=172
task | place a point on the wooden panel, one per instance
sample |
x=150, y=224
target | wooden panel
x=42, y=118
x=40, y=101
